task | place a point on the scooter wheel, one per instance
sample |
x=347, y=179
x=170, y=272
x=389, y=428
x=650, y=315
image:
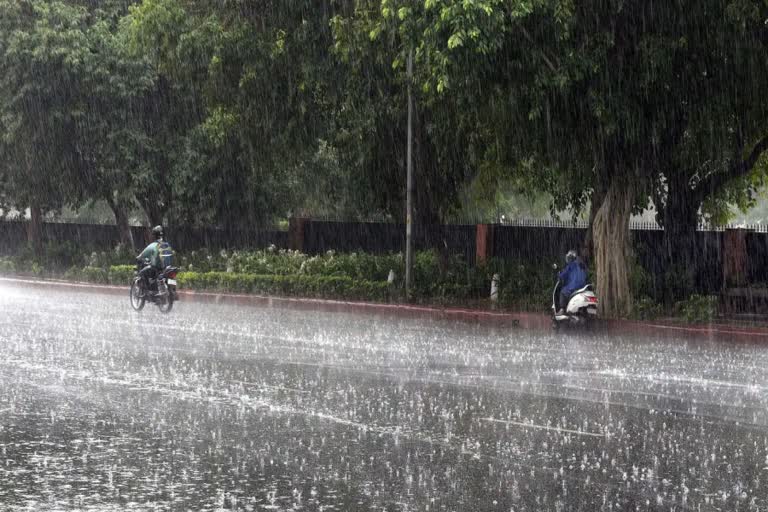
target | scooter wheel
x=555, y=325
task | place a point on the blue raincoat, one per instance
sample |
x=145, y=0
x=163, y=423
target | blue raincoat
x=573, y=277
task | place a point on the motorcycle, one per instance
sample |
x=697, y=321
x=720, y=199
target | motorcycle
x=581, y=309
x=161, y=292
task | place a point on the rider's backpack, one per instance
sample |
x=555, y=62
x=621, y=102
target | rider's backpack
x=165, y=253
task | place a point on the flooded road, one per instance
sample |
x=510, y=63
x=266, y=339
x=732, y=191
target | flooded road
x=228, y=408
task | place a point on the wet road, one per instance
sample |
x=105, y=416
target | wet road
x=227, y=408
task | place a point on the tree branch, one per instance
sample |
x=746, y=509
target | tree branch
x=736, y=170
x=543, y=56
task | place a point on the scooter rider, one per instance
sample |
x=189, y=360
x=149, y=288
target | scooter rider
x=151, y=254
x=572, y=278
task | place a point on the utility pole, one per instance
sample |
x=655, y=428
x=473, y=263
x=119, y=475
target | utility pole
x=409, y=193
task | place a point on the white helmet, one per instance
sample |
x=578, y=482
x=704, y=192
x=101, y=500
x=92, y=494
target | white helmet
x=570, y=256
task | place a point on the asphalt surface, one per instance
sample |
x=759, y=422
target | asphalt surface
x=232, y=408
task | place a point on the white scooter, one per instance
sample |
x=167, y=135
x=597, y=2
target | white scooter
x=581, y=308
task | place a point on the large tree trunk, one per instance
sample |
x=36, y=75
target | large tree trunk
x=121, y=220
x=35, y=230
x=680, y=249
x=588, y=249
x=124, y=228
x=610, y=232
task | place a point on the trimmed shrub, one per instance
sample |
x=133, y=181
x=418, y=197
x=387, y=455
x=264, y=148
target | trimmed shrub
x=95, y=275
x=121, y=274
x=7, y=266
x=698, y=309
x=647, y=309
x=335, y=287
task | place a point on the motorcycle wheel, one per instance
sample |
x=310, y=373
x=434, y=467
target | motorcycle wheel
x=164, y=299
x=166, y=305
x=137, y=300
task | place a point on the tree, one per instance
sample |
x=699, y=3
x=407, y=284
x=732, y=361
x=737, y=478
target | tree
x=253, y=73
x=373, y=42
x=716, y=71
x=111, y=140
x=65, y=103
x=598, y=99
x=43, y=47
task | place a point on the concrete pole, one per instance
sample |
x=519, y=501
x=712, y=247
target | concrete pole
x=409, y=193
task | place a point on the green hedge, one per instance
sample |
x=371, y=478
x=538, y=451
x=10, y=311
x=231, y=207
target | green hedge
x=697, y=309
x=60, y=257
x=354, y=276
x=282, y=262
x=339, y=287
x=335, y=287
x=116, y=275
x=436, y=280
x=7, y=266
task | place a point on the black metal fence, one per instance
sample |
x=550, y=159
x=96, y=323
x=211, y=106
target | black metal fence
x=189, y=239
x=757, y=262
x=382, y=238
x=13, y=235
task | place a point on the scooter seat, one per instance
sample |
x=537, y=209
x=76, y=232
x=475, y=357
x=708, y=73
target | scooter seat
x=588, y=288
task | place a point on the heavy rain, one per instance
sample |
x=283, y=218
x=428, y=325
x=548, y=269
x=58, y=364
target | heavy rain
x=383, y=255
x=222, y=407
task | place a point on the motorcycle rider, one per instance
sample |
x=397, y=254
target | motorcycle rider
x=155, y=257
x=572, y=278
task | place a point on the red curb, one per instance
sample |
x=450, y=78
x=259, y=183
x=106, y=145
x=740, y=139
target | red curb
x=708, y=331
x=535, y=321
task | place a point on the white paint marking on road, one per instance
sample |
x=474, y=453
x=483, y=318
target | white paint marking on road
x=273, y=388
x=542, y=427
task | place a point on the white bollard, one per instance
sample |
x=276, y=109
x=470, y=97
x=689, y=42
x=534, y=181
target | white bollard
x=495, y=289
x=390, y=284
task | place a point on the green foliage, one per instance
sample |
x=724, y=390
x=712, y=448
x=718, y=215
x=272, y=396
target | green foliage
x=698, y=309
x=677, y=281
x=117, y=256
x=7, y=266
x=58, y=257
x=373, y=42
x=524, y=286
x=640, y=281
x=121, y=274
x=95, y=275
x=282, y=262
x=253, y=78
x=43, y=53
x=329, y=287
x=646, y=309
x=451, y=281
